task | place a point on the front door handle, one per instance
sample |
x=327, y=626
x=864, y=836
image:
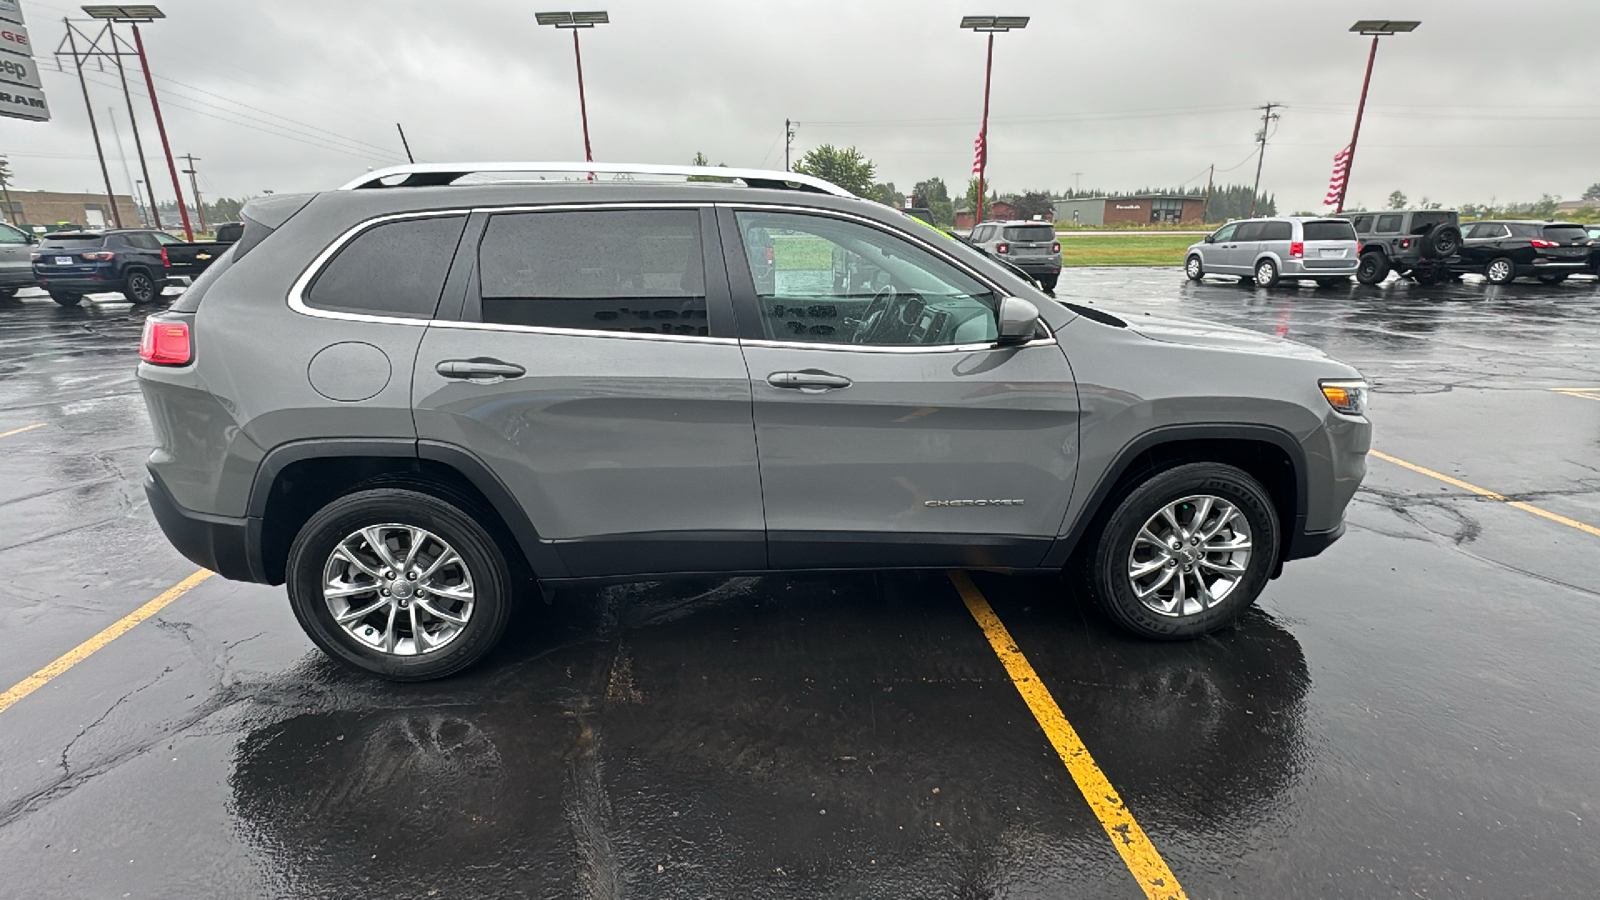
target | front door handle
x=810, y=381
x=479, y=368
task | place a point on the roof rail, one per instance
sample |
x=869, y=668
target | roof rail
x=428, y=174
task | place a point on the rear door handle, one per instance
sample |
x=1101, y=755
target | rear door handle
x=810, y=381
x=479, y=368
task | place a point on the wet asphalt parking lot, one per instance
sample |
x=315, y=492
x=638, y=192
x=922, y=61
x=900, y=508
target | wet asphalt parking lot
x=1412, y=714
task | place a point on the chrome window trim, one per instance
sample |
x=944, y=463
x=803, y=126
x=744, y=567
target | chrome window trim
x=297, y=301
x=582, y=332
x=904, y=348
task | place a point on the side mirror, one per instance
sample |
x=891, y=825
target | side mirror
x=1211, y=239
x=1019, y=321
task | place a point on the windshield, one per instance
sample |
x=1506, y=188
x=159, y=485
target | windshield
x=1565, y=234
x=1045, y=233
x=74, y=241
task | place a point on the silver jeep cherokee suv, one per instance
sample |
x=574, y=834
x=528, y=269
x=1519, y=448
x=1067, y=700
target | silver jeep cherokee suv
x=417, y=400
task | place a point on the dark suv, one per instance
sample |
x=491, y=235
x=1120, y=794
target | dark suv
x=412, y=399
x=1501, y=250
x=132, y=261
x=1420, y=244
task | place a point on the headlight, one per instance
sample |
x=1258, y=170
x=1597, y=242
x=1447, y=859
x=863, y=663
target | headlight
x=1347, y=395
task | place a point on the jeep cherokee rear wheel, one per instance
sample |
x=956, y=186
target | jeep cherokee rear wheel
x=400, y=584
x=1186, y=552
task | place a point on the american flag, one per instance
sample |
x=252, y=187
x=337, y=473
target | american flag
x=977, y=154
x=1341, y=170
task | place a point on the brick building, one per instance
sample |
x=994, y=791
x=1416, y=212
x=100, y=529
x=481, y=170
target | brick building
x=1141, y=210
x=994, y=210
x=49, y=208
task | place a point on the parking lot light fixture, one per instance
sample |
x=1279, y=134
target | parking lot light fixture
x=1377, y=28
x=574, y=21
x=990, y=25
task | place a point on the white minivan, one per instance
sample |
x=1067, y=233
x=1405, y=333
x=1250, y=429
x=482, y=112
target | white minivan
x=1297, y=248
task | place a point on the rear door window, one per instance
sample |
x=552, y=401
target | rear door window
x=1329, y=230
x=396, y=268
x=1276, y=231
x=1034, y=233
x=631, y=270
x=1389, y=224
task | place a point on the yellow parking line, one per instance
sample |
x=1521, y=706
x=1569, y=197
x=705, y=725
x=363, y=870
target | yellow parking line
x=7, y=434
x=111, y=632
x=1484, y=492
x=1585, y=393
x=1147, y=866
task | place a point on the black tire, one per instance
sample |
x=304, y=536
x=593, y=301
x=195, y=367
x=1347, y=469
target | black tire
x=490, y=578
x=1105, y=566
x=1373, y=268
x=1500, y=270
x=1441, y=242
x=1427, y=276
x=66, y=299
x=1333, y=282
x=1266, y=273
x=1555, y=278
x=139, y=287
x=1194, y=268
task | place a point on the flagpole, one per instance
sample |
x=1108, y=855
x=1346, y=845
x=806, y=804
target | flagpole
x=1350, y=163
x=983, y=133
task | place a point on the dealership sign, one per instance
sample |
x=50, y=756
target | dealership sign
x=21, y=92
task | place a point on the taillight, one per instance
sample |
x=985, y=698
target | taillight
x=1540, y=242
x=36, y=256
x=99, y=256
x=1002, y=248
x=1297, y=249
x=1056, y=247
x=1359, y=245
x=165, y=343
x=1404, y=243
x=166, y=263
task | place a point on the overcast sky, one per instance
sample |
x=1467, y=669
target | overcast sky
x=1485, y=100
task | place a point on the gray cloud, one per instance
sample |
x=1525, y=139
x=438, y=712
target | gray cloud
x=1129, y=94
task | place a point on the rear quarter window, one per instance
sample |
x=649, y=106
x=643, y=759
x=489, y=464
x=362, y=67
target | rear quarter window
x=395, y=268
x=1363, y=224
x=1329, y=231
x=1388, y=224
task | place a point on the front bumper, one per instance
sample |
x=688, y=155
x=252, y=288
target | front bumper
x=229, y=546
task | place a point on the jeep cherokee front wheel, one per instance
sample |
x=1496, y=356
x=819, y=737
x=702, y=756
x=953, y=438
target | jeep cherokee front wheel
x=1186, y=552
x=400, y=584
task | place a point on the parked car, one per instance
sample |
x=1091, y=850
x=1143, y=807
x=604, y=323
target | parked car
x=472, y=388
x=1420, y=244
x=138, y=262
x=1502, y=250
x=16, y=264
x=1594, y=248
x=229, y=232
x=1278, y=248
x=1030, y=246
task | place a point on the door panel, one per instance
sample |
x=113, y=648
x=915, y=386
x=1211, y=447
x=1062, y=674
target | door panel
x=923, y=447
x=629, y=444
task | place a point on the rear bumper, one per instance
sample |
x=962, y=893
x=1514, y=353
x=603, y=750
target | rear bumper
x=1327, y=268
x=80, y=284
x=225, y=545
x=1033, y=266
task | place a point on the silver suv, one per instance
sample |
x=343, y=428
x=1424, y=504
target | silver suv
x=1284, y=248
x=416, y=400
x=1030, y=246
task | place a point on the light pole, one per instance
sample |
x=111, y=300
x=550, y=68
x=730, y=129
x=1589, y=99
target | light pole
x=575, y=21
x=134, y=15
x=1377, y=28
x=990, y=25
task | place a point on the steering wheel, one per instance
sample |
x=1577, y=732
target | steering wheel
x=876, y=312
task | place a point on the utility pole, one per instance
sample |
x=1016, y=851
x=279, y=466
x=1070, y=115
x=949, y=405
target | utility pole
x=5, y=188
x=133, y=122
x=94, y=129
x=1075, y=176
x=404, y=143
x=1267, y=118
x=194, y=188
x=788, y=142
x=122, y=153
x=1205, y=208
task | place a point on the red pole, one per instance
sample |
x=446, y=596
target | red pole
x=983, y=132
x=1350, y=164
x=583, y=108
x=150, y=85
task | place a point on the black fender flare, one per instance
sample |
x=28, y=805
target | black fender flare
x=1062, y=550
x=541, y=555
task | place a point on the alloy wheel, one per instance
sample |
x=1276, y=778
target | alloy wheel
x=1189, y=556
x=398, y=589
